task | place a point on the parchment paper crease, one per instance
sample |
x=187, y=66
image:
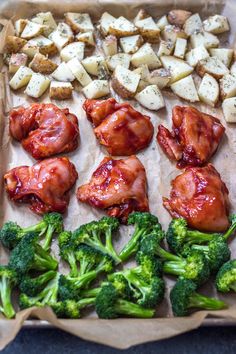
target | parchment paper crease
x=120, y=333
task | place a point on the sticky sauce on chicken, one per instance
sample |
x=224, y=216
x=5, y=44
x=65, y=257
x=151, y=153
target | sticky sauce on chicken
x=118, y=186
x=201, y=197
x=194, y=138
x=44, y=129
x=119, y=127
x=45, y=185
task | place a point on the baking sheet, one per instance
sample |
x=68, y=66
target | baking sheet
x=160, y=171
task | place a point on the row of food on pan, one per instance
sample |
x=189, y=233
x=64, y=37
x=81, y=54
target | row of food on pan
x=119, y=186
x=141, y=57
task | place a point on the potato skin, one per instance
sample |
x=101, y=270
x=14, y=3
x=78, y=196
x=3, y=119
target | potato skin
x=178, y=17
x=121, y=90
x=14, y=44
x=43, y=65
x=201, y=71
x=60, y=93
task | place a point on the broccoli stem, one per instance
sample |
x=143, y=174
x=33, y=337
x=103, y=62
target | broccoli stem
x=166, y=255
x=41, y=227
x=199, y=237
x=7, y=307
x=73, y=264
x=86, y=302
x=48, y=238
x=132, y=246
x=230, y=230
x=49, y=294
x=204, y=302
x=97, y=244
x=174, y=267
x=43, y=260
x=83, y=266
x=110, y=248
x=90, y=292
x=127, y=308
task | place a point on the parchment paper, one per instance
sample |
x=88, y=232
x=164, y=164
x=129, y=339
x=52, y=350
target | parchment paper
x=120, y=333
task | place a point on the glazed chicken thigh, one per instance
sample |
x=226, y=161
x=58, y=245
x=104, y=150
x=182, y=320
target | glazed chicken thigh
x=44, y=186
x=44, y=129
x=120, y=128
x=201, y=197
x=194, y=139
x=118, y=186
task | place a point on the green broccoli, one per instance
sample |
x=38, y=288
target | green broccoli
x=195, y=267
x=183, y=296
x=71, y=308
x=11, y=233
x=226, y=277
x=88, y=258
x=145, y=224
x=28, y=254
x=8, y=280
x=32, y=286
x=67, y=251
x=93, y=233
x=109, y=305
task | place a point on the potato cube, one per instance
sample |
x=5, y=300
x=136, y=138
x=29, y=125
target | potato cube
x=193, y=24
x=146, y=55
x=224, y=54
x=151, y=98
x=125, y=82
x=31, y=30
x=79, y=72
x=180, y=48
x=171, y=33
x=177, y=67
x=216, y=24
x=105, y=21
x=79, y=22
x=91, y=64
x=63, y=73
x=86, y=38
x=148, y=29
x=208, y=91
x=122, y=27
x=60, y=90
x=208, y=40
x=186, y=89
x=73, y=50
x=41, y=64
x=227, y=86
x=118, y=59
x=160, y=77
x=212, y=66
x=196, y=54
x=17, y=60
x=109, y=45
x=229, y=109
x=96, y=89
x=21, y=78
x=37, y=85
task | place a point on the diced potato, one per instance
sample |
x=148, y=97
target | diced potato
x=125, y=82
x=193, y=24
x=160, y=77
x=60, y=90
x=141, y=15
x=185, y=88
x=180, y=48
x=79, y=22
x=131, y=44
x=177, y=67
x=208, y=91
x=63, y=73
x=208, y=40
x=122, y=59
x=32, y=30
x=171, y=33
x=86, y=37
x=39, y=44
x=21, y=78
x=37, y=85
x=227, y=86
x=14, y=44
x=62, y=35
x=73, y=50
x=143, y=71
x=165, y=48
x=91, y=64
x=162, y=22
x=105, y=21
x=233, y=69
x=41, y=64
x=146, y=55
x=109, y=45
x=122, y=27
x=17, y=60
x=178, y=17
x=46, y=19
x=229, y=109
x=224, y=54
x=196, y=54
x=216, y=24
x=20, y=25
x=103, y=71
x=148, y=29
x=79, y=72
x=151, y=98
x=212, y=66
x=96, y=89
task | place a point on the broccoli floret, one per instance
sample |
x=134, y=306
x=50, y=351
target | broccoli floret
x=226, y=277
x=67, y=251
x=149, y=265
x=11, y=233
x=88, y=258
x=8, y=280
x=33, y=286
x=145, y=224
x=195, y=267
x=28, y=254
x=93, y=233
x=217, y=252
x=108, y=305
x=47, y=297
x=71, y=308
x=183, y=297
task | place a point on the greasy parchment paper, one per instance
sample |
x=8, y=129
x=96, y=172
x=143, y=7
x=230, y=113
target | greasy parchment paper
x=119, y=333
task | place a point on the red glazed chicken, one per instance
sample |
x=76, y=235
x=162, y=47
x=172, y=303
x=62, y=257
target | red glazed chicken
x=201, y=197
x=45, y=185
x=118, y=186
x=119, y=127
x=44, y=129
x=194, y=139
